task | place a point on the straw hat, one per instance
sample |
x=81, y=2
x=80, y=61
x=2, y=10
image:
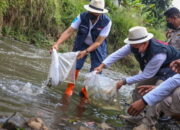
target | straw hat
x=96, y=6
x=138, y=35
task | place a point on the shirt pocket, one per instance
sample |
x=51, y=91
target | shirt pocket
x=83, y=29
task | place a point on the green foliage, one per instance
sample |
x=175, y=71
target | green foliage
x=3, y=6
x=70, y=9
x=158, y=33
x=123, y=19
x=151, y=10
x=6, y=30
x=38, y=39
x=38, y=20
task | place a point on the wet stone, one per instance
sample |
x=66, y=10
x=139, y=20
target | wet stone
x=168, y=125
x=105, y=126
x=14, y=122
x=37, y=124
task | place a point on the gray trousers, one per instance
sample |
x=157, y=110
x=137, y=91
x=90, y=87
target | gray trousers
x=151, y=81
x=170, y=106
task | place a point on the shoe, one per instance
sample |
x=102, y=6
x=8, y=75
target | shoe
x=69, y=89
x=83, y=93
x=132, y=119
x=164, y=118
x=70, y=86
x=144, y=127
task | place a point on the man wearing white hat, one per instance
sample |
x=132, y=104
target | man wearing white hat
x=92, y=28
x=154, y=57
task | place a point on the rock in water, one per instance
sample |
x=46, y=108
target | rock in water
x=14, y=122
x=37, y=124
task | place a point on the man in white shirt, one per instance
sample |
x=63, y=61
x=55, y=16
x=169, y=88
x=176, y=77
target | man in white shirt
x=163, y=98
x=92, y=28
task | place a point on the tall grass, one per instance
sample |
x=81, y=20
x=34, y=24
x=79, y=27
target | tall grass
x=38, y=20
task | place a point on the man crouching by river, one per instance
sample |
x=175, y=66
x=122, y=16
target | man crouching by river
x=153, y=56
x=164, y=98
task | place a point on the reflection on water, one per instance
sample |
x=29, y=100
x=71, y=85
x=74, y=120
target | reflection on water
x=23, y=71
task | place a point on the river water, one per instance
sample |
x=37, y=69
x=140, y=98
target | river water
x=23, y=72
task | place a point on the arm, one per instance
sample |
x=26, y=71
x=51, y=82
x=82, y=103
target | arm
x=150, y=70
x=156, y=95
x=68, y=32
x=163, y=90
x=120, y=53
x=64, y=36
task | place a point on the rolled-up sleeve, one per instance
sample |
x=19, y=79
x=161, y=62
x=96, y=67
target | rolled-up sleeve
x=76, y=22
x=106, y=30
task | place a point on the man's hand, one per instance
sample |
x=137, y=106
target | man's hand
x=55, y=46
x=175, y=66
x=145, y=89
x=99, y=68
x=81, y=54
x=119, y=84
x=136, y=107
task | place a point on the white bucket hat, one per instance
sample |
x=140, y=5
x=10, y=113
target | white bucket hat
x=96, y=6
x=138, y=35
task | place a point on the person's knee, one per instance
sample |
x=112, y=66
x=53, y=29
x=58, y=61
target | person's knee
x=176, y=95
x=158, y=82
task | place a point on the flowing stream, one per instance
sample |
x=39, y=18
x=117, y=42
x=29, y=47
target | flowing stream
x=23, y=72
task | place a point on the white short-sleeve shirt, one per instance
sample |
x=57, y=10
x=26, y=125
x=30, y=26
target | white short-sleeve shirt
x=104, y=32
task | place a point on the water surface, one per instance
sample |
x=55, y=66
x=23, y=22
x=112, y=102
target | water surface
x=23, y=72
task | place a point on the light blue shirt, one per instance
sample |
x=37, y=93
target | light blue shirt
x=163, y=90
x=150, y=69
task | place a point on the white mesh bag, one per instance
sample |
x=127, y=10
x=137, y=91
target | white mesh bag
x=99, y=86
x=62, y=68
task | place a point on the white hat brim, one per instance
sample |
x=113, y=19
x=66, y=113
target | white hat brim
x=94, y=10
x=150, y=35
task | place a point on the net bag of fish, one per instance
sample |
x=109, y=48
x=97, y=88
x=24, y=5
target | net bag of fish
x=62, y=68
x=100, y=87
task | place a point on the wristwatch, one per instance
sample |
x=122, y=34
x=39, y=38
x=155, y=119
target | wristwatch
x=124, y=81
